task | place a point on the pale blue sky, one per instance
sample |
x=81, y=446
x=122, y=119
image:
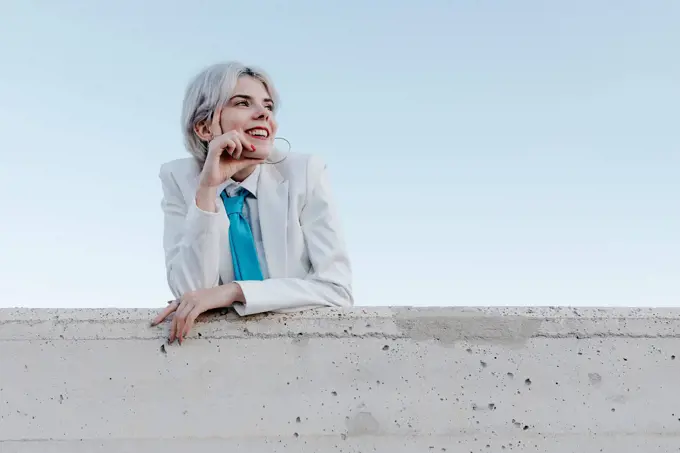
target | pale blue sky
x=483, y=153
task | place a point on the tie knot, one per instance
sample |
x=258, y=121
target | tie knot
x=234, y=205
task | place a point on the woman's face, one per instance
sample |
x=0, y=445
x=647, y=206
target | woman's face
x=251, y=110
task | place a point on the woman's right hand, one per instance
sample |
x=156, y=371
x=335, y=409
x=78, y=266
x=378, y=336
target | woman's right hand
x=227, y=155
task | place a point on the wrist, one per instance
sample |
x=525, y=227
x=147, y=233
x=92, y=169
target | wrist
x=205, y=198
x=234, y=293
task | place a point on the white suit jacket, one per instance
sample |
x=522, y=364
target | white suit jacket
x=301, y=233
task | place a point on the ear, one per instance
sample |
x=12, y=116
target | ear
x=202, y=129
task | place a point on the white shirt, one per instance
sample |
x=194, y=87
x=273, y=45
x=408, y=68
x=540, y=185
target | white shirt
x=250, y=212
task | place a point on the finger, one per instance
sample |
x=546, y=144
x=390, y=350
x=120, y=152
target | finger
x=219, y=145
x=245, y=142
x=181, y=316
x=173, y=304
x=175, y=319
x=191, y=318
x=229, y=146
x=238, y=148
x=173, y=329
x=215, y=126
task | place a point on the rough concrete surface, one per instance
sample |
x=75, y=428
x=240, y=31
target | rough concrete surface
x=387, y=380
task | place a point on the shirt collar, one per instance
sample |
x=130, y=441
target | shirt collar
x=250, y=183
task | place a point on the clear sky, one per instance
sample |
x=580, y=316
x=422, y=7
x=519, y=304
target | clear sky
x=483, y=153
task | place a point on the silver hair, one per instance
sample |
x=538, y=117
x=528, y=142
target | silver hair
x=211, y=89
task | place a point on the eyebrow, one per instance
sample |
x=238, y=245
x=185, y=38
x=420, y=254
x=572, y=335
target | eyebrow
x=249, y=98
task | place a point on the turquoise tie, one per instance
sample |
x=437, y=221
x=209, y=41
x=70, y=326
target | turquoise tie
x=241, y=242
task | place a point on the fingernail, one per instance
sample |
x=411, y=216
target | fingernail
x=252, y=147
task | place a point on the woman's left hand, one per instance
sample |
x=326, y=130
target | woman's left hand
x=192, y=304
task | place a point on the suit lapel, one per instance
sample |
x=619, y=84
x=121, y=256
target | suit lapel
x=272, y=203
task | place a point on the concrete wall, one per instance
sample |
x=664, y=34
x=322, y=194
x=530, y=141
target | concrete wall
x=386, y=380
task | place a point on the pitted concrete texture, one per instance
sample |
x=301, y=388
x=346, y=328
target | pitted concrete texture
x=387, y=380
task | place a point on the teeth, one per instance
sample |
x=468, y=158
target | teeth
x=258, y=132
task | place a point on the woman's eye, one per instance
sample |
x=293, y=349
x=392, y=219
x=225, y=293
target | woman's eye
x=242, y=103
x=270, y=107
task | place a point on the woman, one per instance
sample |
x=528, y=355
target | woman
x=245, y=225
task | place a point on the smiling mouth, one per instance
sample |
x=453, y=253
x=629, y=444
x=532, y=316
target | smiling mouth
x=259, y=133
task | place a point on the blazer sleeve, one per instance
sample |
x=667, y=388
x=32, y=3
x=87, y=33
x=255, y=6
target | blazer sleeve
x=329, y=282
x=190, y=239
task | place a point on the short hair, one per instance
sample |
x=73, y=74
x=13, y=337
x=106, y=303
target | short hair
x=211, y=89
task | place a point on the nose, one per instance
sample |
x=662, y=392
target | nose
x=262, y=112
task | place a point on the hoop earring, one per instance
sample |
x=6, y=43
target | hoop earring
x=282, y=154
x=285, y=140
